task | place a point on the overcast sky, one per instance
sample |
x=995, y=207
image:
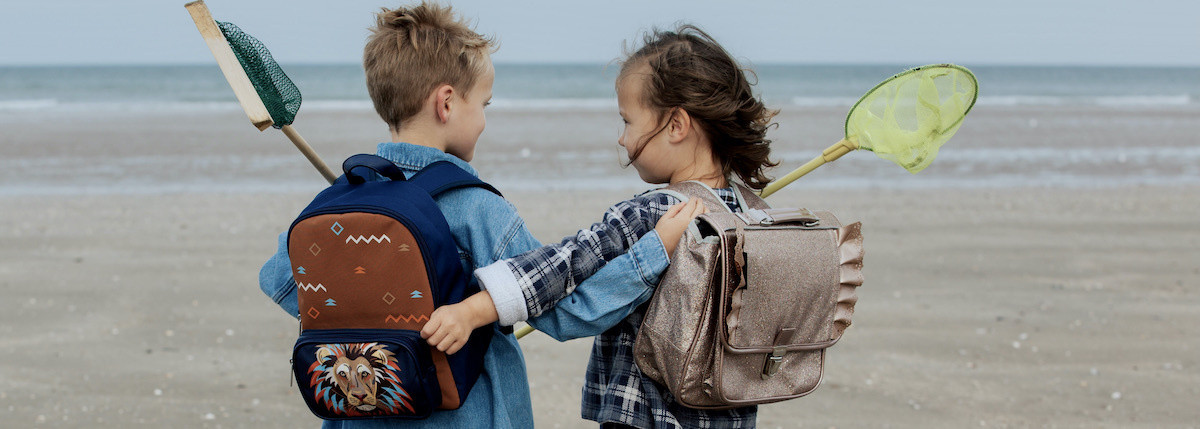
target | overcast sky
x=1097, y=32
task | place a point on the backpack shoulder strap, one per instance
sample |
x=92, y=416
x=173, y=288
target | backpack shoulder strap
x=443, y=176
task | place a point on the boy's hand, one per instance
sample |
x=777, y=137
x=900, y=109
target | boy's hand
x=450, y=326
x=671, y=226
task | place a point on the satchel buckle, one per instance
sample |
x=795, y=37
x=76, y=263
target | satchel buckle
x=773, y=361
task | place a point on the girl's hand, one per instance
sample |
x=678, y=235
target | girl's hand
x=671, y=226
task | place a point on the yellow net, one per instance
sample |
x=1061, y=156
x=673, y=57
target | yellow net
x=908, y=117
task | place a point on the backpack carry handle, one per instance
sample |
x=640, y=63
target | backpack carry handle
x=374, y=162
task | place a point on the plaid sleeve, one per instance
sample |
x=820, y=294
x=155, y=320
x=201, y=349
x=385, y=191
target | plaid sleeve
x=547, y=274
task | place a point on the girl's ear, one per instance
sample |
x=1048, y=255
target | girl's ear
x=679, y=125
x=441, y=102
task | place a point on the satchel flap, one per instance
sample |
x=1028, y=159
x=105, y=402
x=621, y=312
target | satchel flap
x=782, y=292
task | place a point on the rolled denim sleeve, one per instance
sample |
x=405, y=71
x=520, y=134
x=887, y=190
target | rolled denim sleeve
x=491, y=231
x=276, y=280
x=609, y=295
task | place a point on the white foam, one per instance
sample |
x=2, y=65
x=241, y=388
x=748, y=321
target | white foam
x=337, y=105
x=561, y=104
x=34, y=104
x=1020, y=100
x=824, y=101
x=1118, y=101
x=120, y=106
x=554, y=104
x=1144, y=100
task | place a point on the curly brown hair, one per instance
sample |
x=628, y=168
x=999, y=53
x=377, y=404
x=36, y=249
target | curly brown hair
x=691, y=71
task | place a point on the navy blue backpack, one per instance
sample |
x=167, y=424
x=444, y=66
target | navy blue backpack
x=372, y=259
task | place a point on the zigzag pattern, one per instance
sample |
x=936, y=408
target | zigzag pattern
x=310, y=287
x=410, y=318
x=361, y=238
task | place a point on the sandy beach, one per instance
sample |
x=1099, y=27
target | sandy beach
x=130, y=246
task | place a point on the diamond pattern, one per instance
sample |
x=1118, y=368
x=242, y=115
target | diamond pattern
x=389, y=298
x=336, y=228
x=313, y=313
x=315, y=249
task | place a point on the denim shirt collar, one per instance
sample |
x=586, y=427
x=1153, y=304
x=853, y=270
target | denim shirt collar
x=416, y=157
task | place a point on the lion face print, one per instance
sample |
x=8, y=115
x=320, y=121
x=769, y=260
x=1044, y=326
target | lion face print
x=358, y=379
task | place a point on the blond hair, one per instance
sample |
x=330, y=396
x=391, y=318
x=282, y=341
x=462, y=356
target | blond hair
x=413, y=50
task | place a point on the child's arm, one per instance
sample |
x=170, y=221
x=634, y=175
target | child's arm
x=588, y=311
x=450, y=326
x=530, y=283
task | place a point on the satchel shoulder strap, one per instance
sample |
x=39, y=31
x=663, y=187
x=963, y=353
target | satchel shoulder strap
x=747, y=199
x=750, y=198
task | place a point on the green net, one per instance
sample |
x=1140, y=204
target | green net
x=908, y=117
x=278, y=93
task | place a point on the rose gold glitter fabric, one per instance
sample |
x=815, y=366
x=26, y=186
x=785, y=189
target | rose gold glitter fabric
x=727, y=331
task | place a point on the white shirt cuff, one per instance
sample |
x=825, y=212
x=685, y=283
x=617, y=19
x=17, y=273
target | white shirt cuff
x=501, y=283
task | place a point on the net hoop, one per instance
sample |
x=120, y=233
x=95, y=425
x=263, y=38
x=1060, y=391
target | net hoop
x=964, y=70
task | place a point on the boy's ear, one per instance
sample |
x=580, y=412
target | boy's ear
x=441, y=102
x=679, y=125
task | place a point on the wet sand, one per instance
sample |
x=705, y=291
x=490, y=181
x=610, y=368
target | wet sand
x=983, y=307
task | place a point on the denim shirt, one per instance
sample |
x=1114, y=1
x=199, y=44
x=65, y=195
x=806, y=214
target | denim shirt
x=487, y=228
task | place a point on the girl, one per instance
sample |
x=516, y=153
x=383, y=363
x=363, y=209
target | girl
x=689, y=114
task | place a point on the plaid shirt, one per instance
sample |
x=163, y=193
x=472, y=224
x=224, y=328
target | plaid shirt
x=549, y=273
x=614, y=389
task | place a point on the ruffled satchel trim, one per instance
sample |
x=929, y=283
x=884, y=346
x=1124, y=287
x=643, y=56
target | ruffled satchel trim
x=850, y=249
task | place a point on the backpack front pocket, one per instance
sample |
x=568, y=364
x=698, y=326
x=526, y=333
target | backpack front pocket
x=365, y=373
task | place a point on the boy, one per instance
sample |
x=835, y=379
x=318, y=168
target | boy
x=430, y=77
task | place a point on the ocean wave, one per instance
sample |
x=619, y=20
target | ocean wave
x=1020, y=100
x=554, y=104
x=823, y=101
x=504, y=104
x=1178, y=100
x=338, y=105
x=118, y=106
x=562, y=104
x=1145, y=100
x=34, y=104
x=1163, y=156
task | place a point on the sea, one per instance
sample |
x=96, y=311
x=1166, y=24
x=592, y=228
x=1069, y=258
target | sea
x=1166, y=99
x=580, y=86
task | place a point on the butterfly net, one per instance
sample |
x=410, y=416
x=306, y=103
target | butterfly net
x=908, y=117
x=278, y=93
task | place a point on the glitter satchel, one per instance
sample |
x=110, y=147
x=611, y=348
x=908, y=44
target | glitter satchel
x=750, y=302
